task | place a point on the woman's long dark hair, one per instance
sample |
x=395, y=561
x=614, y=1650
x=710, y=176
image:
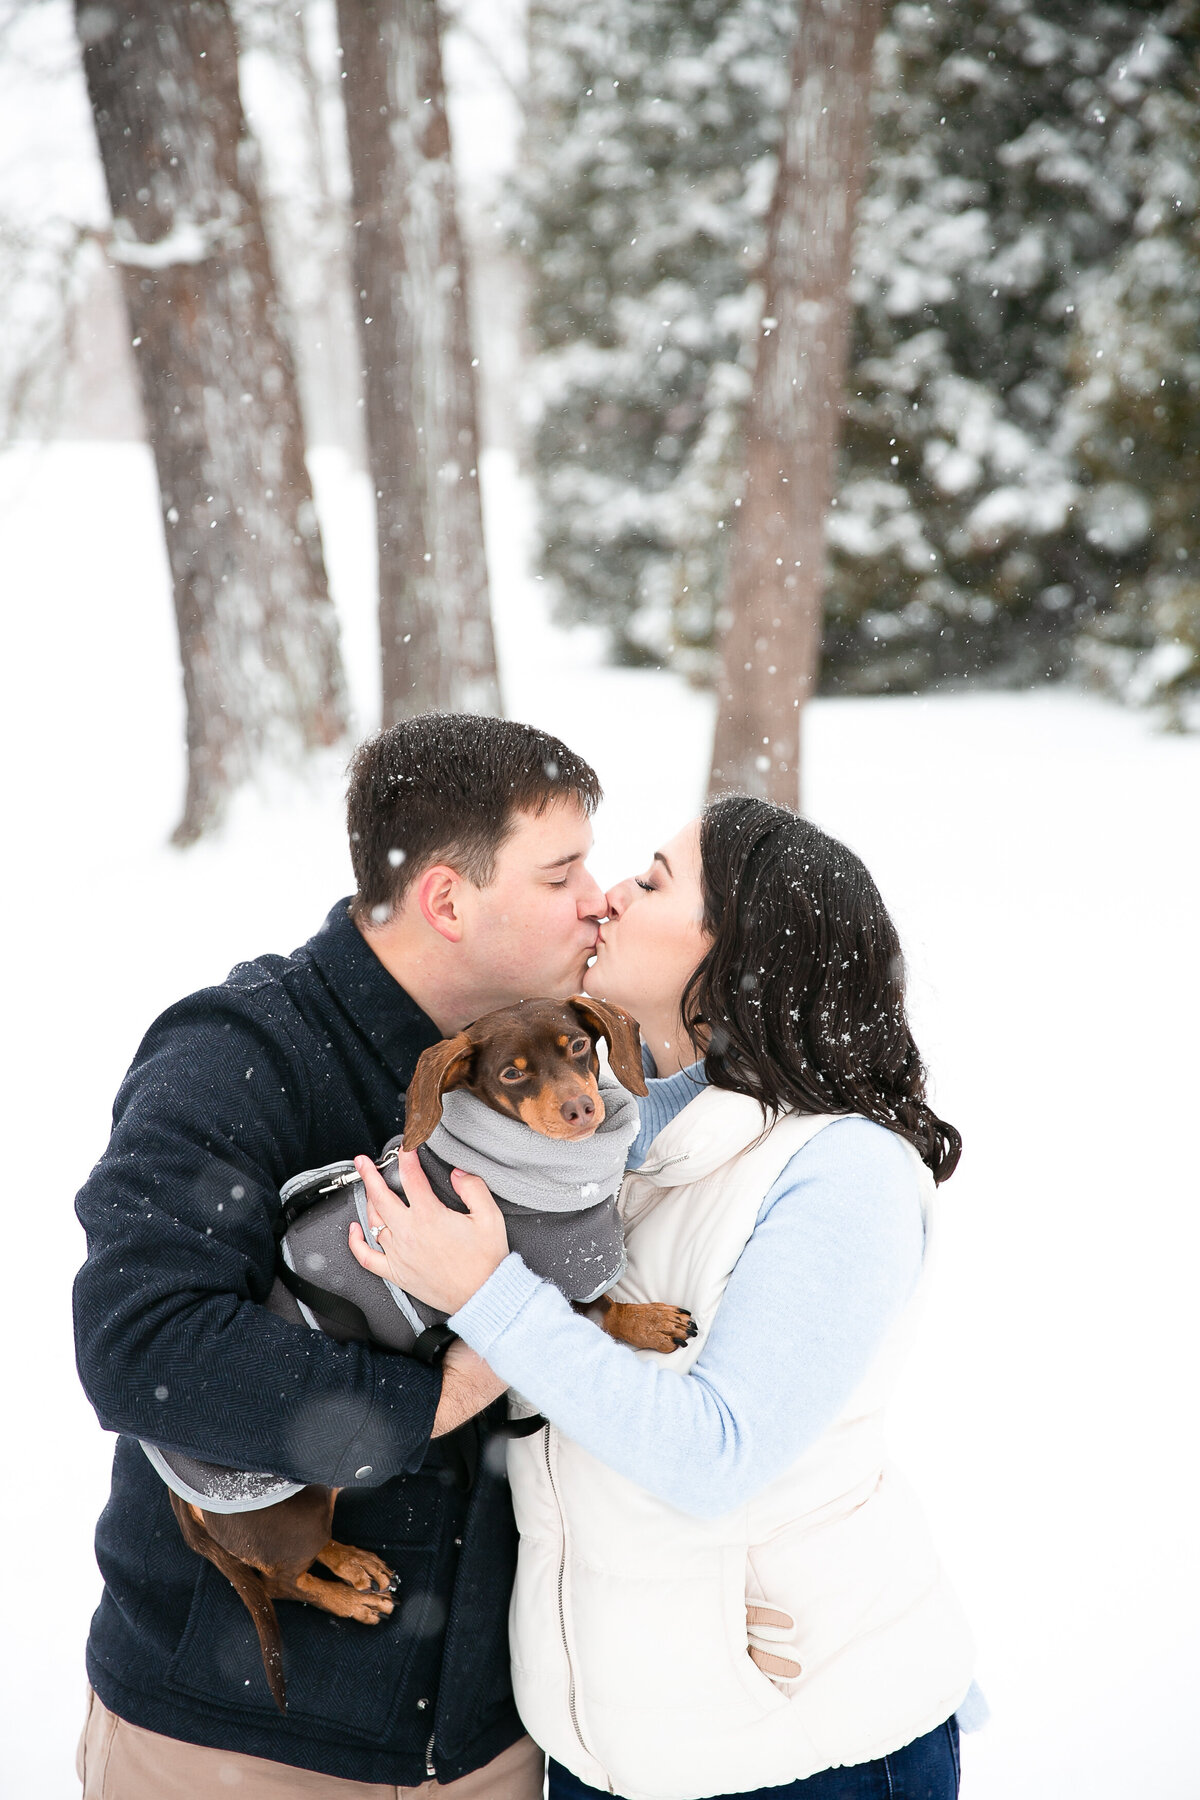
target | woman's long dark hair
x=800, y=999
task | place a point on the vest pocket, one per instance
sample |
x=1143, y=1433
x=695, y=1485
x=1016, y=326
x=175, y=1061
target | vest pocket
x=766, y=1690
x=770, y=1631
x=770, y=1636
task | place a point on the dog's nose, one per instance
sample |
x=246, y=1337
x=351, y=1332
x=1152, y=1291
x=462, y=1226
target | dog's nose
x=579, y=1110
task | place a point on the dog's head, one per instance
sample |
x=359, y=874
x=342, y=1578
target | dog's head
x=535, y=1061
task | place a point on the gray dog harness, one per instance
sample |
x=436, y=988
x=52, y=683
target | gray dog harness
x=565, y=1227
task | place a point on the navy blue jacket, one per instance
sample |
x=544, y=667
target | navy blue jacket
x=292, y=1062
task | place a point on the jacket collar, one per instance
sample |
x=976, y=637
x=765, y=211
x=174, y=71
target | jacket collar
x=388, y=1017
x=713, y=1129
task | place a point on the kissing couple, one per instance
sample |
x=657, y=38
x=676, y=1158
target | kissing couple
x=701, y=1576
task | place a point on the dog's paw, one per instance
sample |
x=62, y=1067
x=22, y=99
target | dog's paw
x=368, y=1609
x=651, y=1326
x=361, y=1569
x=680, y=1325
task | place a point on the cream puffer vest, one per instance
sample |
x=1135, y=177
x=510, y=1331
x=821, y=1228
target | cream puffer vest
x=629, y=1632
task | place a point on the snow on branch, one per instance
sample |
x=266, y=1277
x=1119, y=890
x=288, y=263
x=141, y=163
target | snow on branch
x=187, y=242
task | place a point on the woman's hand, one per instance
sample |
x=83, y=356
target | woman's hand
x=438, y=1256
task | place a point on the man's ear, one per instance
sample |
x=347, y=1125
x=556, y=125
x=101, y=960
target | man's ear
x=620, y=1032
x=436, y=901
x=442, y=1067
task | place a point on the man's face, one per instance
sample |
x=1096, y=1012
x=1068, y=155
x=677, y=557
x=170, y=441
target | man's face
x=530, y=933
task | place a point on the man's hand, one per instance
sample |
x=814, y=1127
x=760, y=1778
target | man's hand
x=437, y=1255
x=468, y=1385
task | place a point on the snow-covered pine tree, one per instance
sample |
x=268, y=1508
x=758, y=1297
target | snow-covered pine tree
x=1137, y=362
x=1004, y=182
x=647, y=175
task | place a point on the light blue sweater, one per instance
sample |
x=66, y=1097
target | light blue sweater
x=834, y=1255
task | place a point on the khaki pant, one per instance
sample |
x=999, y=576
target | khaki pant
x=120, y=1761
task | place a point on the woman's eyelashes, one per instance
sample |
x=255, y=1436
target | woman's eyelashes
x=647, y=887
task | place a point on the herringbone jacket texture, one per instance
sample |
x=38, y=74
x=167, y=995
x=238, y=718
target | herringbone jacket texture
x=291, y=1062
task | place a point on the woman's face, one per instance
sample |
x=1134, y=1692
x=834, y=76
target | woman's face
x=653, y=937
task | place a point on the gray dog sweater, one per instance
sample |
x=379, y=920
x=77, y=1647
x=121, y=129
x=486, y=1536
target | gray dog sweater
x=559, y=1200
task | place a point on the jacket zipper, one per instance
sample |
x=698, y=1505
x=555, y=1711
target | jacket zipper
x=562, y=1613
x=430, y=1771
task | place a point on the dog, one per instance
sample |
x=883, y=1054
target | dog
x=535, y=1065
x=537, y=1062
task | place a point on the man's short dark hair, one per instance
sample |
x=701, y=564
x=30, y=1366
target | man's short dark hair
x=447, y=787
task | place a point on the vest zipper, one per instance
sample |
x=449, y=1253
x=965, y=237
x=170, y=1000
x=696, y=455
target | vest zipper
x=562, y=1614
x=430, y=1771
x=653, y=1169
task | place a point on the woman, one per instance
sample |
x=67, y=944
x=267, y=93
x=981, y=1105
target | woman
x=724, y=1587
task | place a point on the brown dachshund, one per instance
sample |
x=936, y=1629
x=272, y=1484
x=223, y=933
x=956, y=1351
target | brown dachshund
x=536, y=1062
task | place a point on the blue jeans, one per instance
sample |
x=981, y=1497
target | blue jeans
x=926, y=1769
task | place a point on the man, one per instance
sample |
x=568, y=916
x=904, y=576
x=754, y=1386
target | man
x=469, y=839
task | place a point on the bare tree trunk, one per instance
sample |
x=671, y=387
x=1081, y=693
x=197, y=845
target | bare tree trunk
x=258, y=636
x=771, y=646
x=434, y=616
x=306, y=214
x=339, y=361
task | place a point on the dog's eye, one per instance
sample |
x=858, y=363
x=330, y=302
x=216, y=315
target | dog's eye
x=579, y=1045
x=512, y=1073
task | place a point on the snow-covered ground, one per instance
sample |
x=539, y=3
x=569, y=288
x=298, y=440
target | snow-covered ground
x=1041, y=854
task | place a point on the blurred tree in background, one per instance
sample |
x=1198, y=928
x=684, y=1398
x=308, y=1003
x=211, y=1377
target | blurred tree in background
x=410, y=263
x=258, y=638
x=1021, y=154
x=650, y=127
x=360, y=218
x=1136, y=365
x=1014, y=496
x=290, y=78
x=1011, y=165
x=770, y=642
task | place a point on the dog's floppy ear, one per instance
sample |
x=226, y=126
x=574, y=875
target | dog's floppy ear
x=441, y=1067
x=622, y=1035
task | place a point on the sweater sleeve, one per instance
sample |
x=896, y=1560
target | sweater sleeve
x=173, y=1341
x=834, y=1255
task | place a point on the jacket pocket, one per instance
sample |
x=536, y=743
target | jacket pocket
x=340, y=1674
